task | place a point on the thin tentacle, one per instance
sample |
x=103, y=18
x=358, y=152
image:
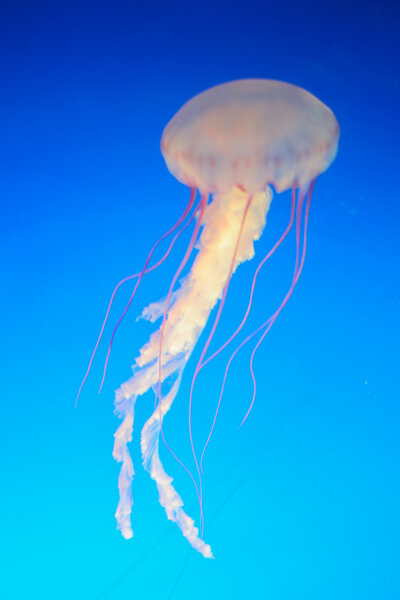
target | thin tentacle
x=180, y=220
x=134, y=276
x=159, y=394
x=262, y=327
x=268, y=255
x=206, y=345
x=296, y=276
x=253, y=285
x=169, y=498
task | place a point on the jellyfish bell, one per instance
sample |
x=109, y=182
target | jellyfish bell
x=232, y=143
x=250, y=133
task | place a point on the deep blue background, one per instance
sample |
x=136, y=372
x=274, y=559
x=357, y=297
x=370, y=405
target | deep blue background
x=303, y=502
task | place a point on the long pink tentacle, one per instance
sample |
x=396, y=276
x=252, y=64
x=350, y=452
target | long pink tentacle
x=246, y=340
x=206, y=345
x=193, y=239
x=264, y=260
x=181, y=218
x=298, y=270
x=140, y=275
x=283, y=236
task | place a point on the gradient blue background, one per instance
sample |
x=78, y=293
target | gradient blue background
x=303, y=502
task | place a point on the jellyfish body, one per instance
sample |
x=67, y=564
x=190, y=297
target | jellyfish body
x=231, y=142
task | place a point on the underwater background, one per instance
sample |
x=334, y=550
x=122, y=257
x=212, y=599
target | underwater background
x=301, y=503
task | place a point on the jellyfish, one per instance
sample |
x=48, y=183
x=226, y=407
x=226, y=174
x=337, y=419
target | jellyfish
x=231, y=144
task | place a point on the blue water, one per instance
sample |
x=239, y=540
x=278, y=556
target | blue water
x=303, y=502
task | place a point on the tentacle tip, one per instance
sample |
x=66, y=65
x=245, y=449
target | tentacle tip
x=125, y=529
x=79, y=394
x=207, y=552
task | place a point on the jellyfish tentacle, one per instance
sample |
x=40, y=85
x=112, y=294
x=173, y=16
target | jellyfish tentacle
x=264, y=260
x=122, y=436
x=168, y=496
x=234, y=353
x=206, y=345
x=186, y=310
x=297, y=273
x=188, y=252
x=135, y=276
x=267, y=324
x=238, y=329
x=171, y=230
